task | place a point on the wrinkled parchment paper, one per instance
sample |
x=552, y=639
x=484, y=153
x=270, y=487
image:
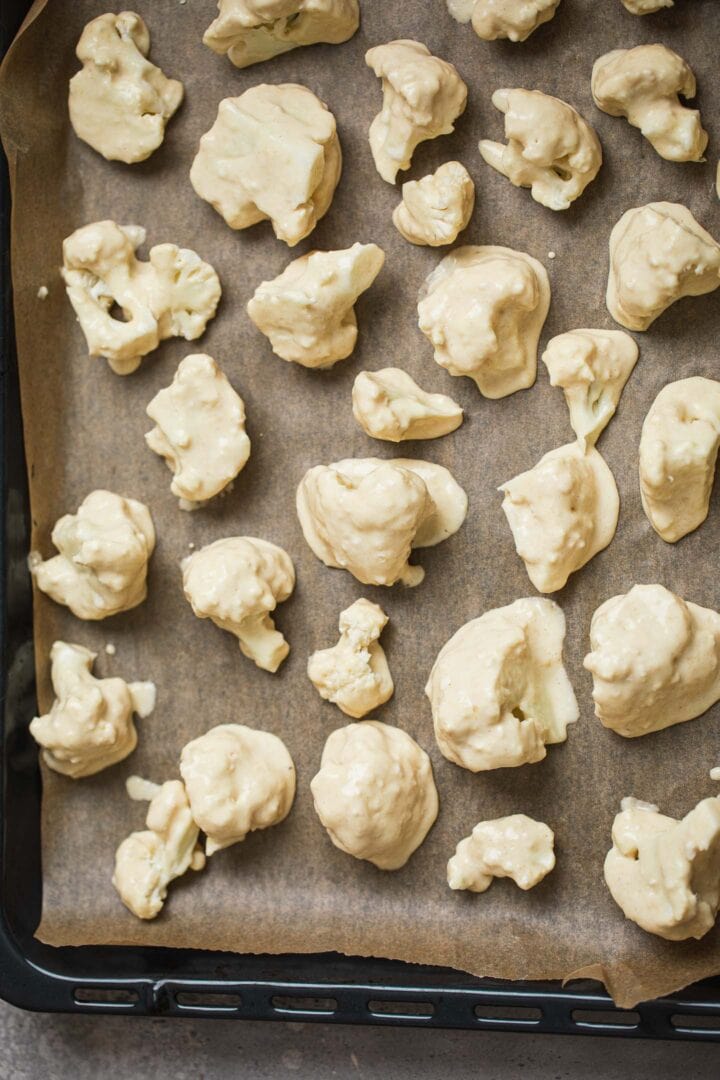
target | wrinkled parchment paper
x=288, y=889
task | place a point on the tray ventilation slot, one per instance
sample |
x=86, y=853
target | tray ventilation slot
x=293, y=1003
x=696, y=1023
x=207, y=1000
x=603, y=1018
x=407, y=1010
x=118, y=997
x=508, y=1014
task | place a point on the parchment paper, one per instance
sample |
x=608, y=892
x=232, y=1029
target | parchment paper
x=288, y=889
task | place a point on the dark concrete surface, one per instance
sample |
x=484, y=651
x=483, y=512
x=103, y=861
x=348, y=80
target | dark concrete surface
x=95, y=1047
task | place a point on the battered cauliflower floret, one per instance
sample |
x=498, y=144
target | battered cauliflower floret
x=592, y=367
x=174, y=294
x=514, y=847
x=643, y=84
x=200, y=430
x=273, y=154
x=120, y=103
x=435, y=209
x=308, y=312
x=354, y=674
x=237, y=780
x=658, y=254
x=422, y=98
x=90, y=725
x=665, y=873
x=237, y=582
x=389, y=405
x=550, y=148
x=365, y=515
x=375, y=793
x=104, y=549
x=483, y=308
x=645, y=7
x=512, y=19
x=655, y=660
x=146, y=862
x=678, y=453
x=250, y=31
x=498, y=688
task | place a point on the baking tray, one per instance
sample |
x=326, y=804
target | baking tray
x=173, y=982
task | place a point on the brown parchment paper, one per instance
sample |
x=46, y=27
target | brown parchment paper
x=288, y=889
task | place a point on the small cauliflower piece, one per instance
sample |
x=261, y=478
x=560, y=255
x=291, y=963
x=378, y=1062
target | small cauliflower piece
x=659, y=253
x=562, y=512
x=90, y=725
x=483, y=308
x=678, y=453
x=435, y=209
x=422, y=98
x=389, y=405
x=308, y=312
x=237, y=780
x=514, y=847
x=655, y=660
x=665, y=873
x=550, y=148
x=273, y=154
x=354, y=674
x=375, y=793
x=645, y=7
x=104, y=549
x=251, y=31
x=643, y=84
x=592, y=367
x=498, y=689
x=174, y=294
x=200, y=430
x=515, y=20
x=120, y=103
x=146, y=862
x=365, y=515
x=237, y=582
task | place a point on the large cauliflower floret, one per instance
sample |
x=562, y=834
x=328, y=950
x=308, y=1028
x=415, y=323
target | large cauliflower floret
x=237, y=780
x=174, y=294
x=308, y=311
x=422, y=98
x=436, y=208
x=354, y=674
x=250, y=31
x=90, y=725
x=512, y=19
x=375, y=793
x=120, y=103
x=389, y=405
x=237, y=582
x=514, y=847
x=104, y=548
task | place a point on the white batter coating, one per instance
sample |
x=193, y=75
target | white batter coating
x=515, y=20
x=354, y=674
x=251, y=31
x=389, y=405
x=514, y=847
x=436, y=208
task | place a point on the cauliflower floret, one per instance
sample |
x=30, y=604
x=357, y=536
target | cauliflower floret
x=512, y=19
x=365, y=515
x=435, y=209
x=664, y=873
x=200, y=430
x=498, y=688
x=388, y=404
x=643, y=84
x=272, y=154
x=237, y=780
x=592, y=367
x=174, y=294
x=250, y=31
x=655, y=660
x=90, y=725
x=354, y=674
x=237, y=582
x=375, y=793
x=146, y=862
x=483, y=308
x=104, y=548
x=120, y=103
x=514, y=847
x=422, y=97
x=308, y=311
x=658, y=254
x=550, y=148
x=678, y=452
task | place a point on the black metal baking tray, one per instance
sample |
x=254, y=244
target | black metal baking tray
x=175, y=982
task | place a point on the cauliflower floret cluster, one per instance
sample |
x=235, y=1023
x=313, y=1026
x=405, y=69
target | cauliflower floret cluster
x=251, y=31
x=435, y=209
x=354, y=674
x=514, y=847
x=512, y=19
x=389, y=405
